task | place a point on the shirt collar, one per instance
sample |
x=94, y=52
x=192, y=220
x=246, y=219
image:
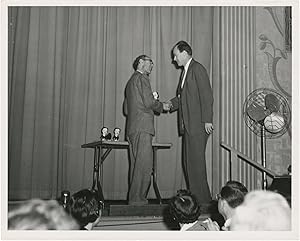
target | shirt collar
x=187, y=65
x=186, y=226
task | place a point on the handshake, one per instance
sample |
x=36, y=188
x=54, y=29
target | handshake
x=167, y=105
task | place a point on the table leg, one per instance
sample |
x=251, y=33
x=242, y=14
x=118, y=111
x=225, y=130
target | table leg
x=100, y=167
x=102, y=158
x=99, y=158
x=154, y=174
x=100, y=176
x=96, y=167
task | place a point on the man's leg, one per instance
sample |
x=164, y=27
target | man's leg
x=196, y=166
x=184, y=162
x=141, y=155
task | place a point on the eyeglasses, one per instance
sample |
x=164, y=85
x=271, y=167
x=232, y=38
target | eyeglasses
x=99, y=209
x=97, y=213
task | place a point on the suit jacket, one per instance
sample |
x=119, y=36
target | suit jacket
x=195, y=100
x=139, y=104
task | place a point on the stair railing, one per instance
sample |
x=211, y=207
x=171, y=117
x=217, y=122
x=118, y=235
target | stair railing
x=234, y=155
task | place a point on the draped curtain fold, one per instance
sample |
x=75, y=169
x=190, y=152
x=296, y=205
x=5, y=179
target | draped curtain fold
x=233, y=77
x=68, y=67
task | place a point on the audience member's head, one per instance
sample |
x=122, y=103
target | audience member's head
x=38, y=214
x=86, y=207
x=231, y=196
x=237, y=185
x=184, y=207
x=262, y=211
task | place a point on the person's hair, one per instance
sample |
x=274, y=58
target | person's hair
x=233, y=196
x=184, y=207
x=182, y=45
x=237, y=185
x=137, y=61
x=39, y=214
x=117, y=128
x=85, y=206
x=262, y=211
x=104, y=127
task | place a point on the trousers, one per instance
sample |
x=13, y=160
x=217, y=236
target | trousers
x=194, y=165
x=141, y=158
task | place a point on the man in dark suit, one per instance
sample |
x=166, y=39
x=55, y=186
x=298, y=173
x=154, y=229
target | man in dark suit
x=194, y=102
x=139, y=107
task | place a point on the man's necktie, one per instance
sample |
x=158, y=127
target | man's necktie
x=182, y=76
x=180, y=121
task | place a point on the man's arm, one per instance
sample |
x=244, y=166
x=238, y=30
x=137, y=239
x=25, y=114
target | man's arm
x=147, y=96
x=206, y=98
x=125, y=107
x=174, y=104
x=205, y=94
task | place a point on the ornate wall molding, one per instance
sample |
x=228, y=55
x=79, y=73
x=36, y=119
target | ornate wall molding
x=275, y=55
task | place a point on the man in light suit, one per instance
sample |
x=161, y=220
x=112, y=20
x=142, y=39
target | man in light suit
x=194, y=102
x=139, y=108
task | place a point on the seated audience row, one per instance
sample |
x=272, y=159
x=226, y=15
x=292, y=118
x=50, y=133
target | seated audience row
x=258, y=210
x=83, y=212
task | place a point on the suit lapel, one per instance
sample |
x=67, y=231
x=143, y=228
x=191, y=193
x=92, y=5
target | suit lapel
x=179, y=89
x=187, y=75
x=181, y=78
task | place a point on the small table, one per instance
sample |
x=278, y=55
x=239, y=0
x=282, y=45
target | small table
x=100, y=156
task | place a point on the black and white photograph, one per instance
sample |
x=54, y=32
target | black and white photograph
x=150, y=119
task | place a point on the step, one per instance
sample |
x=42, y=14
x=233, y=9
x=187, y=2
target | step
x=138, y=210
x=138, y=223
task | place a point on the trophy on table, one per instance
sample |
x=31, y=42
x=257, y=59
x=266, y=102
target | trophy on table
x=116, y=132
x=105, y=135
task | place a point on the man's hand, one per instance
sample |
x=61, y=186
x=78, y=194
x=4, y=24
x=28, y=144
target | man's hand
x=209, y=128
x=167, y=105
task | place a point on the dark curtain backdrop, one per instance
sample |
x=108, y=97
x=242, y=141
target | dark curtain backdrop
x=67, y=70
